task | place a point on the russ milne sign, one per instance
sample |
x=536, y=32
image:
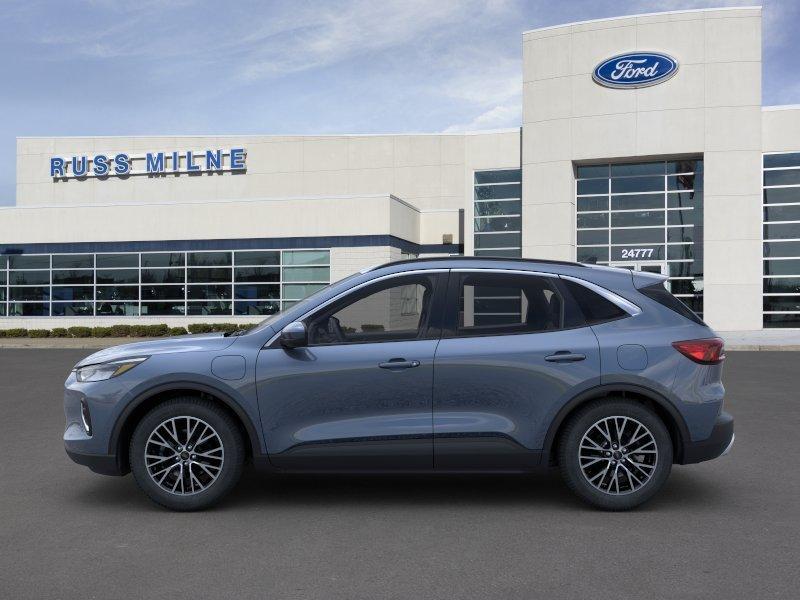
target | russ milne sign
x=635, y=70
x=122, y=164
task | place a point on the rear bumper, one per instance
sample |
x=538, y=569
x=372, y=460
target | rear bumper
x=717, y=444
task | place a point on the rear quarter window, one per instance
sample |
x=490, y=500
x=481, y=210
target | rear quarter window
x=594, y=307
x=661, y=294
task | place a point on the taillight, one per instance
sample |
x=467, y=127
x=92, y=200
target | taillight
x=710, y=351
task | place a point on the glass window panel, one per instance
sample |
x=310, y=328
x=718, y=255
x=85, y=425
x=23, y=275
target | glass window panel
x=592, y=220
x=115, y=261
x=593, y=237
x=788, y=159
x=73, y=277
x=24, y=261
x=695, y=303
x=638, y=252
x=586, y=171
x=2, y=277
x=494, y=240
x=254, y=292
x=684, y=182
x=593, y=203
x=220, y=307
x=29, y=277
x=637, y=219
x=782, y=195
x=209, y=275
x=684, y=166
x=592, y=186
x=28, y=309
x=782, y=231
x=506, y=207
x=2, y=294
x=162, y=308
x=782, y=285
x=684, y=217
x=118, y=276
x=297, y=291
x=83, y=292
x=647, y=168
x=256, y=308
x=162, y=292
x=494, y=192
x=209, y=259
x=163, y=259
x=686, y=286
x=3, y=262
x=680, y=234
x=637, y=184
x=498, y=176
x=776, y=321
x=685, y=200
x=117, y=309
x=209, y=292
x=510, y=253
x=637, y=236
x=163, y=276
x=685, y=269
x=779, y=249
x=782, y=267
x=2, y=309
x=498, y=224
x=680, y=252
x=783, y=303
x=73, y=261
x=257, y=274
x=306, y=257
x=258, y=258
x=117, y=292
x=637, y=201
x=782, y=213
x=72, y=309
x=592, y=255
x=29, y=293
x=787, y=177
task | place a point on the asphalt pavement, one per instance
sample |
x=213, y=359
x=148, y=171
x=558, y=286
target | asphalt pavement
x=729, y=528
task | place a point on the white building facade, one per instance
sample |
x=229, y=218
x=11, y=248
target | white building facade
x=680, y=171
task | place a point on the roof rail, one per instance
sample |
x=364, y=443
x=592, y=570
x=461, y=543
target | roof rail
x=476, y=258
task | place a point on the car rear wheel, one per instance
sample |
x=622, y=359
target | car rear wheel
x=615, y=454
x=186, y=454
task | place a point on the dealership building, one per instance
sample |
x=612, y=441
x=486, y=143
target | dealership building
x=644, y=144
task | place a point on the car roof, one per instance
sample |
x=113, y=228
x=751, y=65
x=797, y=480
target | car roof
x=475, y=260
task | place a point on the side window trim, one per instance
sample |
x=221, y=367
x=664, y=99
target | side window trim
x=620, y=302
x=450, y=320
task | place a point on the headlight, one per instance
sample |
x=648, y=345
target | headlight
x=103, y=371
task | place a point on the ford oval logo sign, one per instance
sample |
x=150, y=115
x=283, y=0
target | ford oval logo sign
x=635, y=70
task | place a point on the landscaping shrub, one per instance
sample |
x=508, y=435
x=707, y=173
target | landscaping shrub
x=200, y=328
x=120, y=330
x=2, y=333
x=156, y=330
x=138, y=331
x=177, y=331
x=59, y=332
x=101, y=332
x=80, y=332
x=223, y=327
x=38, y=333
x=16, y=332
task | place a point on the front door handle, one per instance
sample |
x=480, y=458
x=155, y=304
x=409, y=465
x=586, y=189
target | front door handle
x=565, y=356
x=398, y=364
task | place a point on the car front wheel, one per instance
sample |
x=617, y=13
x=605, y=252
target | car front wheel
x=186, y=454
x=615, y=454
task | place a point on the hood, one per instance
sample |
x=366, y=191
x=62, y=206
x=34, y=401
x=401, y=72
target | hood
x=182, y=343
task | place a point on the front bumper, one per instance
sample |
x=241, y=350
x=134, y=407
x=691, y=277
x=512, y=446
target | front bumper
x=718, y=443
x=105, y=464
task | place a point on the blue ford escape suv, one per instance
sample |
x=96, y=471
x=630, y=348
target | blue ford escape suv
x=431, y=365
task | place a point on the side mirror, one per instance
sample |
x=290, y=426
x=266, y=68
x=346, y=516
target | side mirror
x=294, y=335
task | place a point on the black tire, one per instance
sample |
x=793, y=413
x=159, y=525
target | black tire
x=570, y=462
x=228, y=433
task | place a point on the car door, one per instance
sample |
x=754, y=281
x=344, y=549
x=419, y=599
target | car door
x=359, y=396
x=514, y=350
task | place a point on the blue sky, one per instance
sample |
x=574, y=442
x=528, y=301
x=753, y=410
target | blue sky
x=149, y=67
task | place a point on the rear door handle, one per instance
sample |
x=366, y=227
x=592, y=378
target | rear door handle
x=398, y=364
x=565, y=356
